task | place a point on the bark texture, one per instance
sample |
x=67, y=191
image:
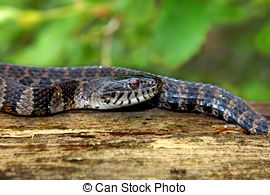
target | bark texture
x=131, y=144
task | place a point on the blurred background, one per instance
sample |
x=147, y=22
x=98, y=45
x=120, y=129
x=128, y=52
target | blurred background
x=222, y=42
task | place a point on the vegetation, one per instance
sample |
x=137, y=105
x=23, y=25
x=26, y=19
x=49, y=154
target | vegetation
x=223, y=42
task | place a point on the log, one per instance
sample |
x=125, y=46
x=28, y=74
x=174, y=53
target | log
x=133, y=143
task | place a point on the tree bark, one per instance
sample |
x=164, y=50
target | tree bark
x=142, y=143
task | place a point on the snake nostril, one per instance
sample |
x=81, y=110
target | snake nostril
x=134, y=83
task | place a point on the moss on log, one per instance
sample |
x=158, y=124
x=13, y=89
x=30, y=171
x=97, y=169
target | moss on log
x=131, y=144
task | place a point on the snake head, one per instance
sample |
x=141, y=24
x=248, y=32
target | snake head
x=116, y=92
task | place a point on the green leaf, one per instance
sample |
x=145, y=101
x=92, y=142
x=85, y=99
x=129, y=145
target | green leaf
x=9, y=32
x=262, y=40
x=50, y=45
x=180, y=31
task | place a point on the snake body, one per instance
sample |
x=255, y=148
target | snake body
x=33, y=91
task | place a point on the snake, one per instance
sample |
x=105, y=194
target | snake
x=37, y=91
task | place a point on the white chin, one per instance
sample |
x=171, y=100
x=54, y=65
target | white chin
x=119, y=104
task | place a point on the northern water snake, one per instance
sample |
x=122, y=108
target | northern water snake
x=33, y=91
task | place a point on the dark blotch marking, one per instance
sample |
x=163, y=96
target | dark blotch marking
x=136, y=95
x=231, y=120
x=104, y=72
x=120, y=95
x=173, y=105
x=26, y=80
x=16, y=72
x=128, y=97
x=117, y=86
x=56, y=73
x=68, y=91
x=192, y=94
x=36, y=73
x=113, y=94
x=191, y=107
x=107, y=100
x=207, y=109
x=42, y=99
x=88, y=72
x=44, y=81
x=245, y=123
x=14, y=92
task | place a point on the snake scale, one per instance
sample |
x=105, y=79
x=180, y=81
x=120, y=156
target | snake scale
x=32, y=91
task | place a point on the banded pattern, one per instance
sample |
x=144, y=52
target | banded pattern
x=41, y=92
x=44, y=91
x=206, y=98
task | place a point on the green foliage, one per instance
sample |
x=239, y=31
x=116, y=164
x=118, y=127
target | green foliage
x=219, y=41
x=178, y=43
x=262, y=39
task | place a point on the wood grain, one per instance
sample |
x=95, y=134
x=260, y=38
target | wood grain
x=142, y=143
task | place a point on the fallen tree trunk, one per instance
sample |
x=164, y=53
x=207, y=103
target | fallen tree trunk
x=136, y=144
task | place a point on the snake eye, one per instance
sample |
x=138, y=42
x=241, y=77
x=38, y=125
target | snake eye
x=134, y=83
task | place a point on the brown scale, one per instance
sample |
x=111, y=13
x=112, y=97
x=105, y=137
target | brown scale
x=174, y=94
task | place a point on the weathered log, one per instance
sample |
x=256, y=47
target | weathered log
x=131, y=144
